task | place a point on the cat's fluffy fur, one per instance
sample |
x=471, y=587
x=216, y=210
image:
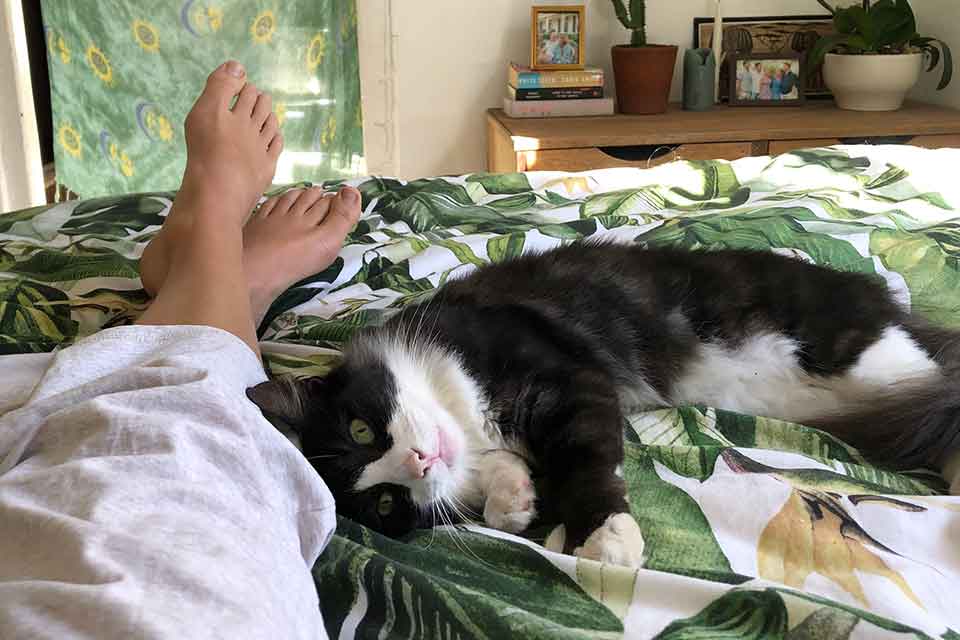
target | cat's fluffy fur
x=521, y=373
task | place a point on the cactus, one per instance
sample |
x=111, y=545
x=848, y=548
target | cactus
x=635, y=20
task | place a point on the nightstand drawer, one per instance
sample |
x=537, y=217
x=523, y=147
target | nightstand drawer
x=930, y=142
x=641, y=156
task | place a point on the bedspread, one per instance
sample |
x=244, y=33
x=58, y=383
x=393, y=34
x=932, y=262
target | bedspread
x=755, y=528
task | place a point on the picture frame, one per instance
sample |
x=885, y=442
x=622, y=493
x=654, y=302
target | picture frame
x=768, y=35
x=557, y=37
x=766, y=81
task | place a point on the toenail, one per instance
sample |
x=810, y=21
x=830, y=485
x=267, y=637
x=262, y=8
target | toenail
x=350, y=196
x=235, y=69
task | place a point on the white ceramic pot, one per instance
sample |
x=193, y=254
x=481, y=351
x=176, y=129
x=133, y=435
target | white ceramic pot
x=871, y=82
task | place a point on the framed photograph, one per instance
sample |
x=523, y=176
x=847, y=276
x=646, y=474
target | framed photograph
x=557, y=37
x=768, y=81
x=784, y=36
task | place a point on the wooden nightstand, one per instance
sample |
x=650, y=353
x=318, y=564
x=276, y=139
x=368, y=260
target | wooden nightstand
x=579, y=144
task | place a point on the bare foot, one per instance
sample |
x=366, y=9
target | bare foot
x=293, y=236
x=231, y=159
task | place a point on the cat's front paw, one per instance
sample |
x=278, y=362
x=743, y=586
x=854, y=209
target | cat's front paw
x=617, y=541
x=510, y=504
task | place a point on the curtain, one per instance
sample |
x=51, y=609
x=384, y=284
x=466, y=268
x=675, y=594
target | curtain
x=124, y=74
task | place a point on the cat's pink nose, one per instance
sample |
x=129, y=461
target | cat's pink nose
x=418, y=462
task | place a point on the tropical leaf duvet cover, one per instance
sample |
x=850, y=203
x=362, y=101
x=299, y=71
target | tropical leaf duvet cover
x=755, y=528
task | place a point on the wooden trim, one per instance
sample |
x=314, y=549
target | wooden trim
x=937, y=142
x=501, y=157
x=815, y=120
x=783, y=146
x=593, y=158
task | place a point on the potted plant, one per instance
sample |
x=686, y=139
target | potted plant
x=642, y=72
x=876, y=56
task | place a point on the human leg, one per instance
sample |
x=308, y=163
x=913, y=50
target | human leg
x=231, y=156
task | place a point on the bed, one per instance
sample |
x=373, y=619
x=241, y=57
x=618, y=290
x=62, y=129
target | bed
x=755, y=528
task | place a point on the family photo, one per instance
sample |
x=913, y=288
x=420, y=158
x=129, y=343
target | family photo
x=558, y=39
x=783, y=36
x=773, y=80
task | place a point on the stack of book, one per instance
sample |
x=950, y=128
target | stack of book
x=541, y=94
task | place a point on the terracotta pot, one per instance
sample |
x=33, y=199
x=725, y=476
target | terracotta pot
x=643, y=76
x=871, y=83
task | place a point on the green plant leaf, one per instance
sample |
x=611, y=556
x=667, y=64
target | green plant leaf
x=502, y=183
x=499, y=589
x=117, y=216
x=893, y=25
x=835, y=161
x=739, y=613
x=463, y=252
x=931, y=273
x=7, y=220
x=570, y=230
x=518, y=203
x=505, y=247
x=53, y=265
x=678, y=536
x=35, y=313
x=824, y=46
x=625, y=202
x=762, y=229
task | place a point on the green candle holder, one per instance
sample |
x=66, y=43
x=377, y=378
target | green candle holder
x=699, y=72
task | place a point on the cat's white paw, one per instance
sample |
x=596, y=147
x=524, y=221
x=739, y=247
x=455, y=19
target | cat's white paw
x=510, y=504
x=617, y=541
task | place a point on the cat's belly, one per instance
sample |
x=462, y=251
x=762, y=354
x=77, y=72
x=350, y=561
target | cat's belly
x=763, y=376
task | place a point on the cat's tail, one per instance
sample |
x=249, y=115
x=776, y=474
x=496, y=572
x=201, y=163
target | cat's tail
x=915, y=423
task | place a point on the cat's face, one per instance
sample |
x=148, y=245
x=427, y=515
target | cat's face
x=381, y=435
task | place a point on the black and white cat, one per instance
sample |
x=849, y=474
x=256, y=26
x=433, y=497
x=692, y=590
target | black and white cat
x=506, y=393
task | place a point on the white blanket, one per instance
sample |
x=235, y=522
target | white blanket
x=142, y=495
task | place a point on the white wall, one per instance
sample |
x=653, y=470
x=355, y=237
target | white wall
x=21, y=171
x=940, y=19
x=450, y=61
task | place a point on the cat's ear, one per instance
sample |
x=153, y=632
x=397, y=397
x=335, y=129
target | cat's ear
x=284, y=397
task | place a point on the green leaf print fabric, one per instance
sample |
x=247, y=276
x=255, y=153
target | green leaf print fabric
x=755, y=528
x=123, y=76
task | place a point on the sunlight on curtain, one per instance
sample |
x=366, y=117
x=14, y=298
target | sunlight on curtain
x=124, y=74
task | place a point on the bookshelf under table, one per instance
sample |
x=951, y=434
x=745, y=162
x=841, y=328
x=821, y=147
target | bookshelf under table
x=580, y=144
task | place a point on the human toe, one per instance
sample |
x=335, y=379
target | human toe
x=246, y=100
x=311, y=200
x=262, y=109
x=275, y=146
x=344, y=212
x=270, y=127
x=223, y=84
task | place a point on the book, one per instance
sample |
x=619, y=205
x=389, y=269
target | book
x=557, y=108
x=523, y=77
x=556, y=93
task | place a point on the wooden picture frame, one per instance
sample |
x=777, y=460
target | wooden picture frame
x=767, y=80
x=565, y=22
x=768, y=35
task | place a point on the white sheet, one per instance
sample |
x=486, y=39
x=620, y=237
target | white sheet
x=142, y=495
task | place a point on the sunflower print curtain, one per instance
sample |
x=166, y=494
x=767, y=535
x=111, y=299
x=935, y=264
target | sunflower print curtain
x=124, y=74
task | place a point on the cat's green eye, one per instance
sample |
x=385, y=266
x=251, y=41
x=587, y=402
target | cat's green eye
x=361, y=432
x=385, y=504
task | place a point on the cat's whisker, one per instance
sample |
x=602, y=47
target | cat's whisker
x=458, y=538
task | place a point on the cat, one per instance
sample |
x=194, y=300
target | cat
x=505, y=394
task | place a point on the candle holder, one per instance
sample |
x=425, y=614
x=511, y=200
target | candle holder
x=699, y=79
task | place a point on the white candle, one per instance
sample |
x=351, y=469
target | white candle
x=717, y=47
